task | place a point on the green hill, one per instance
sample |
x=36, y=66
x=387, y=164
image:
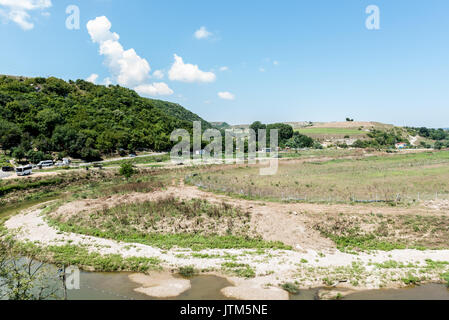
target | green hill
x=180, y=112
x=221, y=125
x=39, y=116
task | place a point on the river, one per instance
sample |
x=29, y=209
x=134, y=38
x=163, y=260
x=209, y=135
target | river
x=113, y=286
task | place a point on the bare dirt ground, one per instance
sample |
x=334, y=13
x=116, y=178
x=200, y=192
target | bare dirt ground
x=34, y=175
x=350, y=124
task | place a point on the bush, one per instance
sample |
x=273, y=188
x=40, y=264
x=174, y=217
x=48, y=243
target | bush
x=126, y=170
x=290, y=288
x=187, y=271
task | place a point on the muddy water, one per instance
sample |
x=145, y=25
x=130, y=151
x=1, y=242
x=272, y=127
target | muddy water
x=424, y=292
x=113, y=286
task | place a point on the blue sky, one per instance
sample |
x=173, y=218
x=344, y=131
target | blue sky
x=286, y=60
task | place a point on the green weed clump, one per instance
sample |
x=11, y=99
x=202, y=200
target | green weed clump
x=239, y=269
x=187, y=271
x=290, y=288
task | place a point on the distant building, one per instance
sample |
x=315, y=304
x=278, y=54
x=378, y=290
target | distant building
x=401, y=145
x=200, y=152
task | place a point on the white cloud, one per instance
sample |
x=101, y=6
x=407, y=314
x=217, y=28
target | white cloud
x=18, y=11
x=126, y=66
x=226, y=95
x=155, y=89
x=93, y=78
x=224, y=68
x=158, y=74
x=276, y=63
x=262, y=69
x=202, y=33
x=185, y=72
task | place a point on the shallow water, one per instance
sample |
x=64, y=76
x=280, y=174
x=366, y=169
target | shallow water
x=424, y=292
x=113, y=286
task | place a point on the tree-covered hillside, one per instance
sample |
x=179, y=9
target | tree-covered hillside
x=180, y=112
x=39, y=116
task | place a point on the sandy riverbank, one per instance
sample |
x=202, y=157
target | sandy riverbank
x=308, y=268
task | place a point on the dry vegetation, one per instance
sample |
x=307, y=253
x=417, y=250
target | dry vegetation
x=385, y=231
x=167, y=215
x=404, y=178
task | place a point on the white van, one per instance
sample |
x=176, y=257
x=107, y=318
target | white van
x=47, y=163
x=24, y=171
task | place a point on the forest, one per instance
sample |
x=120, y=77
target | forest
x=42, y=116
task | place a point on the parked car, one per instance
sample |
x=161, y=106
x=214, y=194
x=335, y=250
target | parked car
x=7, y=169
x=45, y=164
x=133, y=155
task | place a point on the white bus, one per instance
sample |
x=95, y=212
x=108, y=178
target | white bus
x=24, y=171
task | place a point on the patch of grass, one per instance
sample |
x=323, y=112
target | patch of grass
x=241, y=270
x=385, y=232
x=445, y=277
x=392, y=178
x=411, y=280
x=81, y=257
x=187, y=271
x=290, y=288
x=163, y=224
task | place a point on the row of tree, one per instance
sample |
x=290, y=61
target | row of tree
x=287, y=136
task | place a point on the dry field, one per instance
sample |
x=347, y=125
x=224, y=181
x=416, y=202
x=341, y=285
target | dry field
x=398, y=178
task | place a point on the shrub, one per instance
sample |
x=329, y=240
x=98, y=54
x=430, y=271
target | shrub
x=126, y=170
x=290, y=288
x=187, y=271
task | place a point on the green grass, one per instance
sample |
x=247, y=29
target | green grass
x=161, y=224
x=81, y=257
x=411, y=280
x=290, y=288
x=385, y=232
x=241, y=270
x=139, y=160
x=26, y=185
x=187, y=271
x=182, y=240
